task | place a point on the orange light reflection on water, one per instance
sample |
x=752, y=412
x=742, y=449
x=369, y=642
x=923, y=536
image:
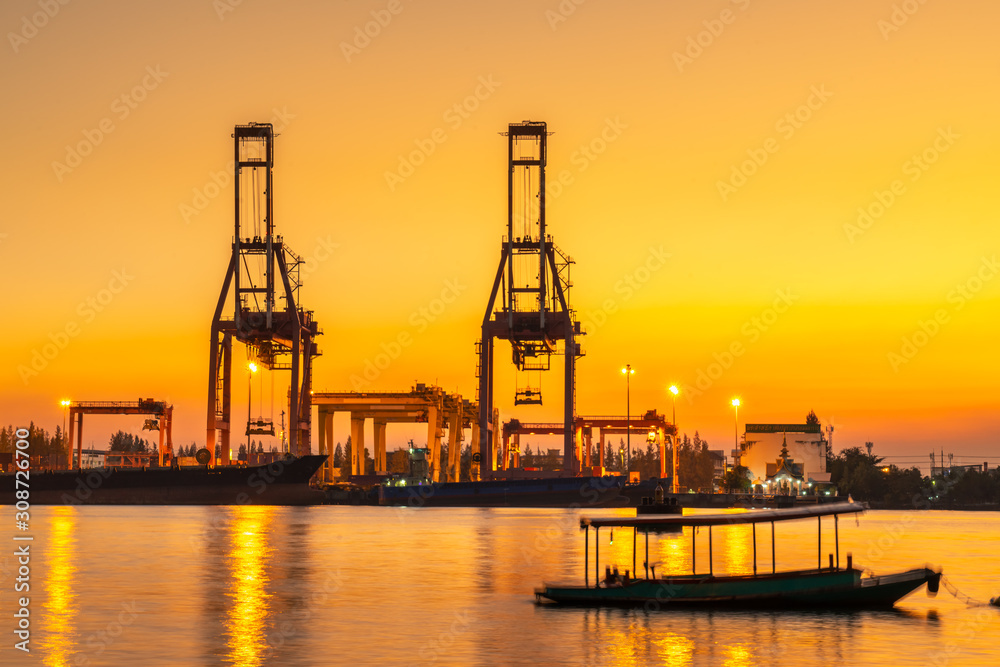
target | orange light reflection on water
x=246, y=624
x=59, y=608
x=739, y=655
x=673, y=649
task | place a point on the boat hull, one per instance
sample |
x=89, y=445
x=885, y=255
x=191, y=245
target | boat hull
x=815, y=589
x=283, y=482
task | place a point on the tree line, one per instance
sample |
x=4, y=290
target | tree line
x=865, y=477
x=40, y=442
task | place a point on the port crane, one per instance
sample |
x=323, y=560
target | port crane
x=267, y=314
x=532, y=283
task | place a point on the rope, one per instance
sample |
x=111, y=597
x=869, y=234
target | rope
x=962, y=597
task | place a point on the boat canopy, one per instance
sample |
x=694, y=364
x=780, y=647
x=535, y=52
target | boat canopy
x=759, y=516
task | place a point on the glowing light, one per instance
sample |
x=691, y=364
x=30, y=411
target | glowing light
x=65, y=402
x=250, y=603
x=59, y=609
x=736, y=402
x=252, y=366
x=674, y=390
x=628, y=371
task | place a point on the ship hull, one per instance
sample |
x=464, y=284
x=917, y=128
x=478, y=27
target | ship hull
x=813, y=589
x=283, y=482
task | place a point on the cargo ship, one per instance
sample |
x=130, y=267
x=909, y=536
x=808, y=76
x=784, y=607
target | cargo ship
x=281, y=482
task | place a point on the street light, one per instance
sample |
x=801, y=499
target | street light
x=65, y=403
x=628, y=372
x=675, y=485
x=736, y=430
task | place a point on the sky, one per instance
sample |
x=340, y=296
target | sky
x=789, y=202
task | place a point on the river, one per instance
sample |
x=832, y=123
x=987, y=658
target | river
x=331, y=585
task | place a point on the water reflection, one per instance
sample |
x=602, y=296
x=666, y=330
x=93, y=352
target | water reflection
x=738, y=655
x=738, y=549
x=59, y=609
x=247, y=615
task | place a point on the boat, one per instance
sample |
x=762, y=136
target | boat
x=658, y=504
x=281, y=482
x=819, y=588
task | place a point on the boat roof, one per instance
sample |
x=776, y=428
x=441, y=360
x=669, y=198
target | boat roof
x=753, y=516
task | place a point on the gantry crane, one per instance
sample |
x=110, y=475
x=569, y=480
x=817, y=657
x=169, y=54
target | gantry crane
x=535, y=314
x=267, y=316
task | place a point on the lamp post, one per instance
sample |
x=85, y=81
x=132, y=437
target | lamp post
x=252, y=368
x=628, y=372
x=675, y=483
x=736, y=422
x=65, y=406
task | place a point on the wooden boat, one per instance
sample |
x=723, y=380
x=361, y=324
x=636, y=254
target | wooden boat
x=821, y=588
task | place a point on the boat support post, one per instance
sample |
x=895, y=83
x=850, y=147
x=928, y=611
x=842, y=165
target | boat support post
x=819, y=543
x=634, y=531
x=773, y=567
x=694, y=531
x=754, y=526
x=836, y=539
x=647, y=553
x=586, y=558
x=710, y=550
x=597, y=556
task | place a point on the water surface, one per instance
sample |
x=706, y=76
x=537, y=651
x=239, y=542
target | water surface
x=251, y=586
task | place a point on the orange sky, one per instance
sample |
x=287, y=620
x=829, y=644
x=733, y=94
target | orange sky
x=677, y=120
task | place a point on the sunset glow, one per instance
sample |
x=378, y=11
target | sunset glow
x=792, y=202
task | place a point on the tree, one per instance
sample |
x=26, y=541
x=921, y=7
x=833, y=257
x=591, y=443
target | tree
x=126, y=442
x=812, y=419
x=611, y=460
x=697, y=469
x=528, y=458
x=736, y=480
x=465, y=464
x=345, y=467
x=856, y=472
x=242, y=455
x=338, y=456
